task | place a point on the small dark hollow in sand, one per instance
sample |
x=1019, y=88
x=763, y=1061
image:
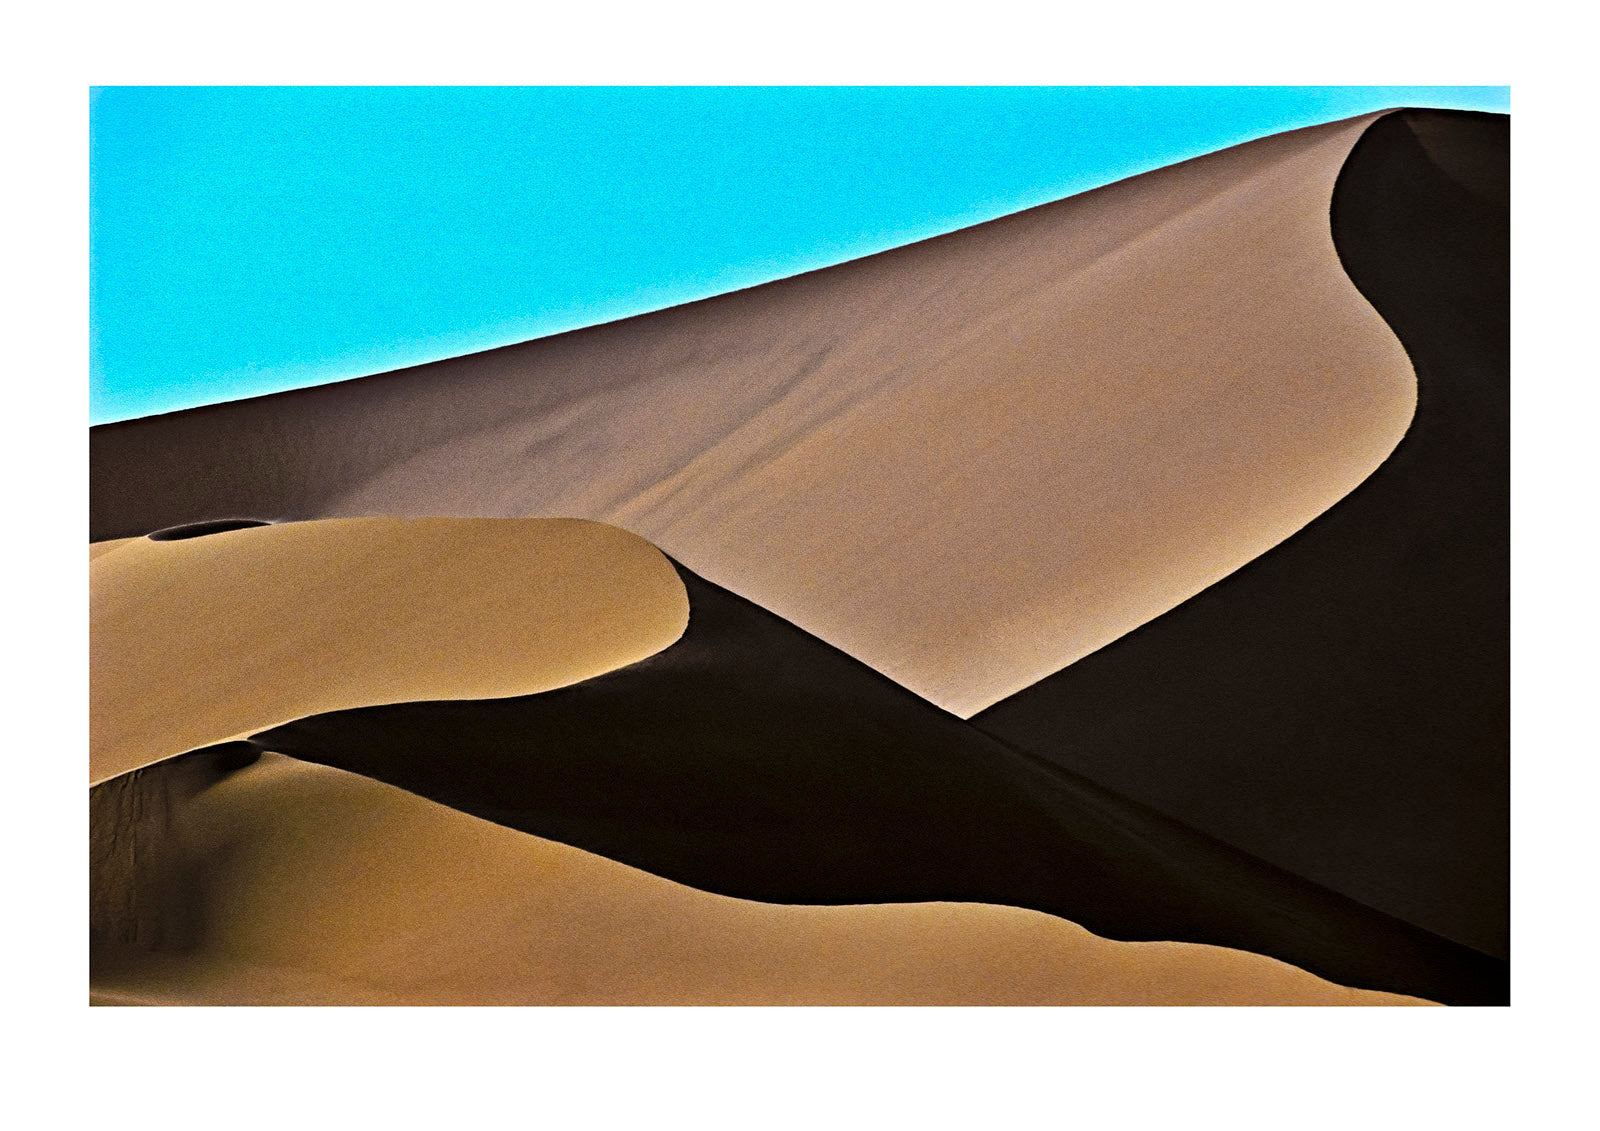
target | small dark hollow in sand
x=201, y=529
x=227, y=757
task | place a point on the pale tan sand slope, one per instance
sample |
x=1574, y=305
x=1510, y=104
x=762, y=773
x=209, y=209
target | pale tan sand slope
x=287, y=882
x=98, y=549
x=197, y=641
x=967, y=462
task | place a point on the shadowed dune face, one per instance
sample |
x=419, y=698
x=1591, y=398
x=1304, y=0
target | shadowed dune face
x=300, y=884
x=1356, y=679
x=968, y=462
x=209, y=638
x=755, y=761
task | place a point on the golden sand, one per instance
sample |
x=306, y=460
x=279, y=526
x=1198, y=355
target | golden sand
x=292, y=883
x=198, y=641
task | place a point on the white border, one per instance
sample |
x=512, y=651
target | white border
x=1132, y=1068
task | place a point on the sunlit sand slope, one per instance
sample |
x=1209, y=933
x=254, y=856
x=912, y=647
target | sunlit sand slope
x=204, y=639
x=288, y=883
x=967, y=462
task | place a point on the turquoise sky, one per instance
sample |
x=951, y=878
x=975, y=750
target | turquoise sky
x=250, y=239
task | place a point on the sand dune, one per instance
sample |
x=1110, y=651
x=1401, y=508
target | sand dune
x=753, y=760
x=562, y=678
x=1363, y=665
x=204, y=639
x=300, y=884
x=967, y=462
x=1067, y=564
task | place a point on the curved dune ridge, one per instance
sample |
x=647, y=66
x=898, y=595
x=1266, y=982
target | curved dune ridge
x=967, y=462
x=1364, y=664
x=208, y=638
x=289, y=883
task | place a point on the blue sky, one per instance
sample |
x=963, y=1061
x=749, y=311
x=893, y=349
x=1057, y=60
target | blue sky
x=246, y=240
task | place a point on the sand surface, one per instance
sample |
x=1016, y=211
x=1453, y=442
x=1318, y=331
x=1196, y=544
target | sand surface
x=97, y=549
x=210, y=638
x=967, y=462
x=292, y=883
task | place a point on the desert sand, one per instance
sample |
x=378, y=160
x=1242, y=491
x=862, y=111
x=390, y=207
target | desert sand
x=211, y=638
x=967, y=462
x=293, y=884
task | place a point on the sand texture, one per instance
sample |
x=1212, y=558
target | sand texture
x=287, y=883
x=967, y=462
x=209, y=638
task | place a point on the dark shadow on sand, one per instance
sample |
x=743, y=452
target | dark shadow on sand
x=201, y=529
x=753, y=760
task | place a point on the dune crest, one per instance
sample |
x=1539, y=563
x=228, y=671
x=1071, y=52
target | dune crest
x=204, y=639
x=1357, y=677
